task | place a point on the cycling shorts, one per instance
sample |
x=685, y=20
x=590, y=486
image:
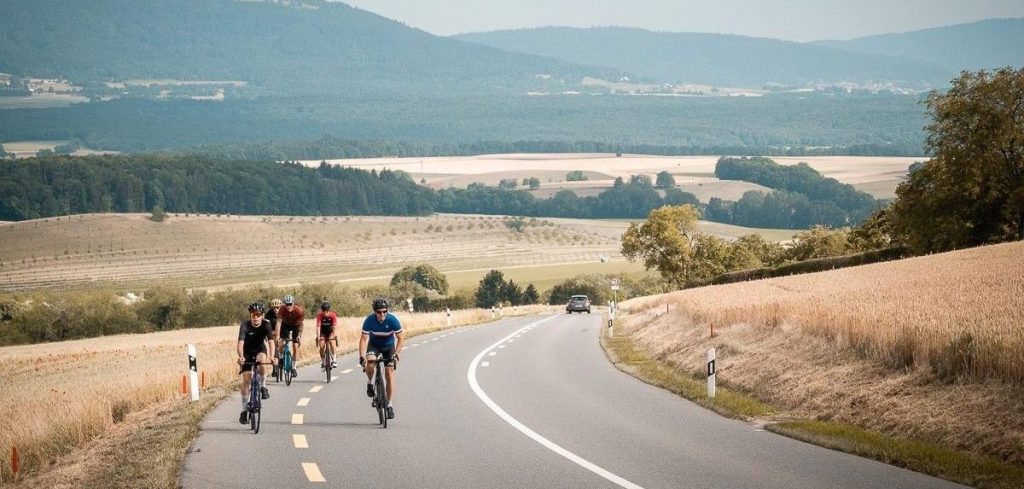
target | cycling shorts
x=386, y=353
x=293, y=332
x=250, y=357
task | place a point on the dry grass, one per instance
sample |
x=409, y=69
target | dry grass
x=59, y=396
x=928, y=347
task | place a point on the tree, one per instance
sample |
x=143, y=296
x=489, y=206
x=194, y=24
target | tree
x=423, y=274
x=575, y=176
x=710, y=257
x=511, y=293
x=972, y=190
x=641, y=180
x=533, y=182
x=665, y=180
x=488, y=294
x=664, y=242
x=530, y=295
x=158, y=214
x=819, y=242
x=508, y=183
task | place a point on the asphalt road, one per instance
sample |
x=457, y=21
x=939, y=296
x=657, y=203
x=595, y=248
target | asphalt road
x=521, y=402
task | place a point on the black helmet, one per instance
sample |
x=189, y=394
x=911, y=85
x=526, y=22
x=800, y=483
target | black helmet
x=325, y=306
x=380, y=303
x=256, y=307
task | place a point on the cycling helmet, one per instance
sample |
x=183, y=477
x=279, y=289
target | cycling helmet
x=256, y=307
x=325, y=306
x=275, y=303
x=380, y=303
x=288, y=299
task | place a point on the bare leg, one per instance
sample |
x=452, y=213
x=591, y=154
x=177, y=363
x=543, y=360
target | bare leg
x=389, y=374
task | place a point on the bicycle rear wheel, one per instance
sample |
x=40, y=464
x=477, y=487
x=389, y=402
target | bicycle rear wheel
x=254, y=420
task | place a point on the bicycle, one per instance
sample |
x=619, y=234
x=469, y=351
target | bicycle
x=255, y=400
x=380, y=398
x=327, y=358
x=285, y=363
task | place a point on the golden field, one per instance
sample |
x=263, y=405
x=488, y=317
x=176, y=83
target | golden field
x=929, y=347
x=695, y=174
x=58, y=396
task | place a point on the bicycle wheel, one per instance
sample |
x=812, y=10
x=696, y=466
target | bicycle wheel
x=327, y=366
x=287, y=368
x=277, y=370
x=254, y=420
x=382, y=398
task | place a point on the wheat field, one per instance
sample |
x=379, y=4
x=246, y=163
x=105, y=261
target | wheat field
x=931, y=346
x=58, y=396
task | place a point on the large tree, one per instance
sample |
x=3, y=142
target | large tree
x=423, y=274
x=972, y=190
x=665, y=242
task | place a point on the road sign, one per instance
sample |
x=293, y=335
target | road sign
x=615, y=284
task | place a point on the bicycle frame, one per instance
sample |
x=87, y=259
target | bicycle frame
x=285, y=365
x=380, y=399
x=255, y=401
x=327, y=357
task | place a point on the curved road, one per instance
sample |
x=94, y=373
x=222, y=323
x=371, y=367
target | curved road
x=520, y=402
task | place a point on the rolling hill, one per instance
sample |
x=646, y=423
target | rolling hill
x=724, y=60
x=986, y=44
x=303, y=47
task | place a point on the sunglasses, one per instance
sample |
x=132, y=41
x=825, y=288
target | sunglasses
x=381, y=311
x=255, y=314
x=289, y=305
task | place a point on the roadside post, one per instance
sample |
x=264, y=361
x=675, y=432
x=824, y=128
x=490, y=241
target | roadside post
x=409, y=301
x=711, y=373
x=492, y=312
x=193, y=374
x=449, y=311
x=501, y=311
x=614, y=306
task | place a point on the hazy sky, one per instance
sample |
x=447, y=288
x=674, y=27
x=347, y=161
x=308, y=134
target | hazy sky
x=796, y=20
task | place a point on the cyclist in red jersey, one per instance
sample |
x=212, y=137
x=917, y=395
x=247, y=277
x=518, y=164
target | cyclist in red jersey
x=326, y=322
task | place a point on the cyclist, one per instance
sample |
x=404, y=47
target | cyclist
x=326, y=321
x=271, y=315
x=254, y=345
x=382, y=339
x=289, y=325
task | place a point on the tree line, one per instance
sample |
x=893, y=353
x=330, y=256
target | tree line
x=802, y=197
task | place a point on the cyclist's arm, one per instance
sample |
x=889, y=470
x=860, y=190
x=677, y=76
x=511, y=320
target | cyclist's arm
x=271, y=348
x=363, y=340
x=400, y=340
x=319, y=320
x=241, y=354
x=334, y=324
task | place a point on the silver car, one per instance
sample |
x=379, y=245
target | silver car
x=578, y=303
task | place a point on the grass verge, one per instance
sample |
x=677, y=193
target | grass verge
x=926, y=458
x=917, y=456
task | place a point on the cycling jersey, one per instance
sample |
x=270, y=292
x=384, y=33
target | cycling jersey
x=293, y=317
x=325, y=323
x=271, y=315
x=381, y=333
x=254, y=337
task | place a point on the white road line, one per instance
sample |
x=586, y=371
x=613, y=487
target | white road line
x=435, y=339
x=347, y=370
x=550, y=445
x=334, y=377
x=297, y=418
x=510, y=340
x=316, y=388
x=312, y=472
x=300, y=441
x=491, y=354
x=501, y=346
x=303, y=402
x=485, y=364
x=422, y=343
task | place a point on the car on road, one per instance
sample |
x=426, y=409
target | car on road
x=578, y=303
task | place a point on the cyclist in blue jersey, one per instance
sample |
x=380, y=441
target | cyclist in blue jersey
x=382, y=340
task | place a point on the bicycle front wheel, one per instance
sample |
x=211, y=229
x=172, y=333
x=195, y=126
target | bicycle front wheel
x=382, y=399
x=254, y=421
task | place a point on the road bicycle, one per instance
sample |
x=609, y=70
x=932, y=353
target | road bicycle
x=327, y=358
x=380, y=398
x=255, y=403
x=285, y=363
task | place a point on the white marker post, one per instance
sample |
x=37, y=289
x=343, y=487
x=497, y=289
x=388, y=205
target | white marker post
x=492, y=312
x=711, y=373
x=501, y=312
x=449, y=310
x=409, y=301
x=193, y=374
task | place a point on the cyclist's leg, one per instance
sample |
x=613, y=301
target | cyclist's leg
x=332, y=342
x=297, y=335
x=371, y=357
x=389, y=373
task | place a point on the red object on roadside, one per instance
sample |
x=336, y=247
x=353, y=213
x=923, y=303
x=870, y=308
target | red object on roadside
x=14, y=459
x=202, y=383
x=184, y=387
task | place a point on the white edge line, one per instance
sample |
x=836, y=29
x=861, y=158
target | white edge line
x=550, y=445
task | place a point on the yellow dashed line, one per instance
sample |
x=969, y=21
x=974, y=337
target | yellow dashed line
x=300, y=441
x=297, y=418
x=312, y=472
x=303, y=402
x=316, y=388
